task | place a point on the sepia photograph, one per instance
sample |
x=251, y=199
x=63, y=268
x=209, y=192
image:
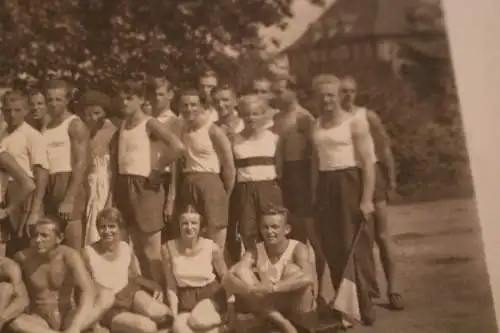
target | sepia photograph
x=239, y=166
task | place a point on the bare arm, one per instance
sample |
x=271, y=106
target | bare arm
x=12, y=168
x=232, y=283
x=39, y=160
x=169, y=139
x=133, y=273
x=280, y=156
x=79, y=137
x=171, y=284
x=365, y=151
x=20, y=300
x=222, y=146
x=302, y=279
x=381, y=137
x=84, y=283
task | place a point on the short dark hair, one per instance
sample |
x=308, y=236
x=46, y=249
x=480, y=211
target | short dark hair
x=208, y=73
x=224, y=86
x=14, y=96
x=273, y=210
x=54, y=221
x=132, y=87
x=59, y=84
x=291, y=81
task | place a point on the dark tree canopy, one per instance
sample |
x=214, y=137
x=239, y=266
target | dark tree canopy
x=90, y=39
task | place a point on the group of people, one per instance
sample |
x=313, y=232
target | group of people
x=161, y=219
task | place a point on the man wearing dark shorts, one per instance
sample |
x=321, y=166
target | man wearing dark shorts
x=67, y=139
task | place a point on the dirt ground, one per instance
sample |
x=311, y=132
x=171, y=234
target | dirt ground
x=441, y=269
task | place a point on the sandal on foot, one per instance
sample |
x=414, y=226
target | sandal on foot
x=396, y=301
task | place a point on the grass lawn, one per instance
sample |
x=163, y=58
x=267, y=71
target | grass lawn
x=441, y=269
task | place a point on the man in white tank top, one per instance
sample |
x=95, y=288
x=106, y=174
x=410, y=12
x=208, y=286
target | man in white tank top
x=161, y=95
x=28, y=148
x=139, y=193
x=225, y=103
x=208, y=167
x=282, y=290
x=206, y=84
x=385, y=184
x=67, y=139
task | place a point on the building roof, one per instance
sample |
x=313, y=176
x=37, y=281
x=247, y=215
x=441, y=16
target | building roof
x=367, y=18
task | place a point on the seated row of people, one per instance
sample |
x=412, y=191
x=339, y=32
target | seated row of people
x=53, y=288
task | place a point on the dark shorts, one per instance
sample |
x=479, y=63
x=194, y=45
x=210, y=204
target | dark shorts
x=206, y=192
x=56, y=191
x=140, y=204
x=381, y=183
x=248, y=201
x=124, y=302
x=296, y=187
x=12, y=225
x=189, y=297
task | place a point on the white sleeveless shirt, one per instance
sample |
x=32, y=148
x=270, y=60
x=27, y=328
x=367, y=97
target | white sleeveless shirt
x=200, y=153
x=193, y=270
x=269, y=272
x=246, y=149
x=335, y=146
x=59, y=146
x=112, y=275
x=134, y=150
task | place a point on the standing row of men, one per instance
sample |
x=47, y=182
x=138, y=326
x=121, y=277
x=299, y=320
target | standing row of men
x=230, y=157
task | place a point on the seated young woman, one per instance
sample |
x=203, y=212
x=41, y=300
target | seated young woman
x=193, y=267
x=282, y=290
x=138, y=306
x=53, y=274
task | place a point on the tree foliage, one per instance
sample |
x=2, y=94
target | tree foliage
x=93, y=39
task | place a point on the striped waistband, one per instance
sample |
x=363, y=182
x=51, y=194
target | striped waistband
x=254, y=161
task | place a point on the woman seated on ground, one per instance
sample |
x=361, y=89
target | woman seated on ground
x=282, y=293
x=193, y=267
x=138, y=306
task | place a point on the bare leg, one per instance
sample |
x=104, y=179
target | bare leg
x=205, y=316
x=31, y=323
x=384, y=243
x=73, y=235
x=104, y=302
x=6, y=296
x=151, y=243
x=145, y=305
x=218, y=236
x=320, y=262
x=259, y=307
x=128, y=322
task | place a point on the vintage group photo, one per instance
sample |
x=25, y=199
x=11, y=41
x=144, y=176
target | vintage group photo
x=239, y=166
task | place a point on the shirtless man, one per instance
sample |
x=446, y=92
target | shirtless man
x=162, y=94
x=225, y=101
x=294, y=125
x=38, y=117
x=282, y=290
x=206, y=84
x=13, y=294
x=67, y=139
x=27, y=147
x=52, y=272
x=385, y=184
